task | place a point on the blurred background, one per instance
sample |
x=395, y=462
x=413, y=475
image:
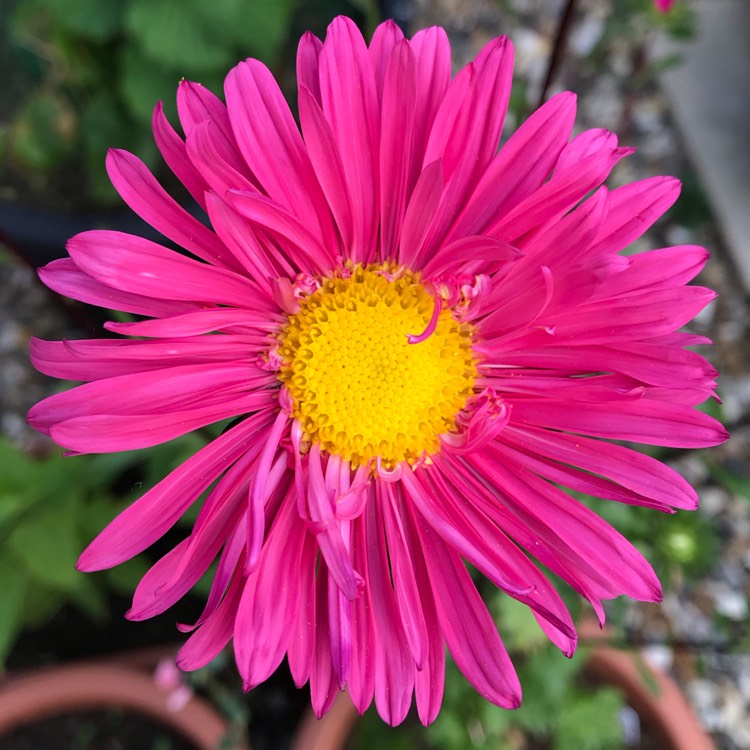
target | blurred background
x=79, y=76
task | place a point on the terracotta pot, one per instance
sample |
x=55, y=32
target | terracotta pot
x=653, y=695
x=43, y=693
x=329, y=733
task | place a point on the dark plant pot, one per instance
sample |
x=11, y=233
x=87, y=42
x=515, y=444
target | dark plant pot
x=39, y=236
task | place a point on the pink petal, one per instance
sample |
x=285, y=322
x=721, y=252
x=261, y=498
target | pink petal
x=394, y=666
x=309, y=254
x=520, y=167
x=433, y=54
x=147, y=392
x=636, y=315
x=308, y=74
x=404, y=581
x=350, y=103
x=399, y=97
x=175, y=574
x=467, y=626
x=541, y=543
x=219, y=173
x=469, y=142
x=227, y=565
x=650, y=422
x=323, y=682
x=326, y=162
x=260, y=258
x=148, y=518
x=263, y=485
x=633, y=209
x=140, y=190
x=430, y=679
x=136, y=265
x=108, y=433
x=362, y=666
x=328, y=531
x=672, y=266
x=66, y=278
x=302, y=643
x=630, y=468
x=207, y=320
x=206, y=643
x=197, y=105
x=520, y=578
x=587, y=543
x=564, y=190
x=270, y=602
x=385, y=39
x=98, y=359
x=420, y=211
x=172, y=148
x=480, y=251
x=340, y=632
x=652, y=363
x=271, y=144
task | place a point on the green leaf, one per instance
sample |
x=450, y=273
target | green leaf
x=18, y=469
x=103, y=125
x=98, y=20
x=590, y=721
x=46, y=545
x=44, y=132
x=547, y=677
x=11, y=606
x=176, y=39
x=738, y=484
x=257, y=28
x=12, y=506
x=520, y=630
x=142, y=84
x=125, y=577
x=41, y=603
x=90, y=599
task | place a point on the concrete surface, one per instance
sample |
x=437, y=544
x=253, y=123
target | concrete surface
x=710, y=98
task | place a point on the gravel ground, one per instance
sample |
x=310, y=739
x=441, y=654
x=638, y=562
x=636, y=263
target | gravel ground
x=702, y=628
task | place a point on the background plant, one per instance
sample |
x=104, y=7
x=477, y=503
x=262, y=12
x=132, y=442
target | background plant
x=50, y=509
x=87, y=73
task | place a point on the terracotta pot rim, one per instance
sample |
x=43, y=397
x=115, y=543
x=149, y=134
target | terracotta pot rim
x=46, y=692
x=657, y=699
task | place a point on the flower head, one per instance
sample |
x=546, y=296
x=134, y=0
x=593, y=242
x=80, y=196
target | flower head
x=664, y=5
x=420, y=340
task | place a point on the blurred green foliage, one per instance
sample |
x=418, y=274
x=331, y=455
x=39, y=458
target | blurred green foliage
x=635, y=24
x=98, y=67
x=94, y=69
x=561, y=708
x=50, y=509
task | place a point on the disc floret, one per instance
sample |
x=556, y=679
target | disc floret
x=357, y=385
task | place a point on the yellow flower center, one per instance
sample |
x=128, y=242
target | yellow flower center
x=358, y=387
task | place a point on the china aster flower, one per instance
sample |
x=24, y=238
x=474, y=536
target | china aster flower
x=416, y=340
x=664, y=5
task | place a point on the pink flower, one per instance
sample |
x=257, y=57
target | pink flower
x=422, y=337
x=170, y=680
x=664, y=5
